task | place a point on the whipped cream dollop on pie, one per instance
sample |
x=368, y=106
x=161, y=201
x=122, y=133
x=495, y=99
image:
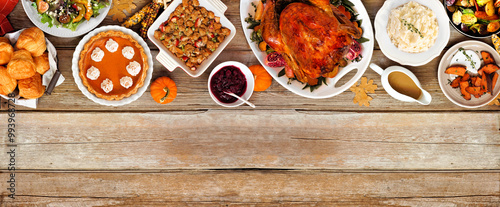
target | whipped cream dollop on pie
x=126, y=81
x=133, y=68
x=128, y=52
x=112, y=45
x=107, y=85
x=97, y=54
x=93, y=73
x=113, y=75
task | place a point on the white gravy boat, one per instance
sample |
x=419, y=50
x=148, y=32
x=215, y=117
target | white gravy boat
x=424, y=98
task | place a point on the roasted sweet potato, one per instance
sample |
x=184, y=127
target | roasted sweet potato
x=494, y=81
x=465, y=77
x=456, y=83
x=476, y=81
x=474, y=90
x=463, y=89
x=483, y=15
x=480, y=72
x=490, y=68
x=487, y=58
x=456, y=70
x=484, y=84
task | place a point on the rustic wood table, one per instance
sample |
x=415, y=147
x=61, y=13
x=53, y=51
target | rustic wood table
x=289, y=151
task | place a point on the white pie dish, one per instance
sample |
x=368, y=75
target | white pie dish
x=83, y=88
x=405, y=58
x=170, y=61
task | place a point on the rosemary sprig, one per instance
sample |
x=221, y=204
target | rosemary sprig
x=412, y=27
x=472, y=63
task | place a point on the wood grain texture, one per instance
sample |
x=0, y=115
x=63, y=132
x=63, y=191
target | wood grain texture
x=256, y=188
x=290, y=151
x=257, y=139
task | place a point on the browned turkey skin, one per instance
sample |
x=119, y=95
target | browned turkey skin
x=311, y=35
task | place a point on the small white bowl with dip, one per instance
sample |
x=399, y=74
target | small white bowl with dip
x=406, y=58
x=228, y=77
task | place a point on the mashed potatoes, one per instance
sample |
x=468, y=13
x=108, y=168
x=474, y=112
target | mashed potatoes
x=412, y=27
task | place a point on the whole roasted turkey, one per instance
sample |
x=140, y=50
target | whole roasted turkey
x=311, y=35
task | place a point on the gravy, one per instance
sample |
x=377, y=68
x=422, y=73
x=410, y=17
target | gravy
x=404, y=85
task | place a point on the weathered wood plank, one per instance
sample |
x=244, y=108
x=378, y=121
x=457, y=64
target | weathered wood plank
x=255, y=188
x=273, y=139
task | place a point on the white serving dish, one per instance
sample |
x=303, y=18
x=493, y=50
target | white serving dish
x=324, y=91
x=248, y=75
x=169, y=60
x=46, y=77
x=61, y=31
x=454, y=94
x=76, y=69
x=404, y=58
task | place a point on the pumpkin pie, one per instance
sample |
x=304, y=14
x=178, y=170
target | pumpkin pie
x=113, y=65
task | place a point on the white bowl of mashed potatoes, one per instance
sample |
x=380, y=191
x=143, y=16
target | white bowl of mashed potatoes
x=412, y=32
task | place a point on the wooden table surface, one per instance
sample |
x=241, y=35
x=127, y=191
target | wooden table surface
x=289, y=151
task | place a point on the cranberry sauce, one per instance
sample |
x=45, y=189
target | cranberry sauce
x=228, y=79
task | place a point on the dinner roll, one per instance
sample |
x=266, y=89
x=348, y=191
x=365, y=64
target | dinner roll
x=32, y=40
x=6, y=51
x=7, y=83
x=21, y=65
x=32, y=87
x=42, y=63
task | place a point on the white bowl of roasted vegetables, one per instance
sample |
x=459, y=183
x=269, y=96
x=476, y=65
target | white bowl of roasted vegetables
x=66, y=18
x=474, y=18
x=191, y=34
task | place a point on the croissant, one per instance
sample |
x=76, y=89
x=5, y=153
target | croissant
x=21, y=65
x=6, y=51
x=32, y=40
x=32, y=87
x=7, y=83
x=42, y=63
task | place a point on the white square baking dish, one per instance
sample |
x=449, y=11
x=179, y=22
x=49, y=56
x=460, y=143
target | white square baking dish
x=169, y=60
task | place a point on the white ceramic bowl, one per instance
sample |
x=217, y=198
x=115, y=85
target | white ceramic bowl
x=76, y=69
x=169, y=60
x=248, y=75
x=404, y=58
x=454, y=94
x=83, y=28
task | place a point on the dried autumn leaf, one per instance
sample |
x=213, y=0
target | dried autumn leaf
x=367, y=85
x=119, y=8
x=362, y=99
x=361, y=91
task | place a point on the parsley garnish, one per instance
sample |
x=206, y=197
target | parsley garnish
x=412, y=27
x=472, y=63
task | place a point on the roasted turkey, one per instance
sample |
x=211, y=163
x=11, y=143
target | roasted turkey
x=311, y=35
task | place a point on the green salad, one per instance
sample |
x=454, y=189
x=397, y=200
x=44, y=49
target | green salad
x=68, y=13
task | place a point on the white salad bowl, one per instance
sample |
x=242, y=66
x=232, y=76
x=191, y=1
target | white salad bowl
x=405, y=58
x=83, y=28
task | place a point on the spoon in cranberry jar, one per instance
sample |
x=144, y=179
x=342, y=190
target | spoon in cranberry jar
x=241, y=99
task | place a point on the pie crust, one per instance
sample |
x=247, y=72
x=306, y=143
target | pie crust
x=113, y=65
